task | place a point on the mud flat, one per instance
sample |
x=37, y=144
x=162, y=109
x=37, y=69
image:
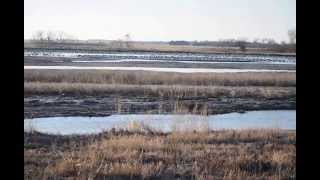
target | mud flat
x=65, y=105
x=101, y=93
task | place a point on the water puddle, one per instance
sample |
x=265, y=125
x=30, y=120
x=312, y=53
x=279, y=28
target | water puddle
x=166, y=56
x=180, y=70
x=282, y=119
x=186, y=62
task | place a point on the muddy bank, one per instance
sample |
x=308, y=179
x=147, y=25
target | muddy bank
x=64, y=105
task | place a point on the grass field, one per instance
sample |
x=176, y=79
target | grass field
x=176, y=91
x=246, y=154
x=280, y=79
x=160, y=84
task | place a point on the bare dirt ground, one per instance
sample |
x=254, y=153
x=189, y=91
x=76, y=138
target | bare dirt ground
x=66, y=105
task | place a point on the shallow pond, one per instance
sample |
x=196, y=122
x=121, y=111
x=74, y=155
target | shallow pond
x=167, y=56
x=282, y=119
x=180, y=61
x=180, y=70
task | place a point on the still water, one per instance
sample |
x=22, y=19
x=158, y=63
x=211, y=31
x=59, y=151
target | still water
x=282, y=119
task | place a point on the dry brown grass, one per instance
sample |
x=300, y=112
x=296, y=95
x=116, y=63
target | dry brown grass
x=283, y=79
x=176, y=91
x=100, y=82
x=246, y=154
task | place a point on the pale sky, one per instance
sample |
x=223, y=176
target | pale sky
x=162, y=20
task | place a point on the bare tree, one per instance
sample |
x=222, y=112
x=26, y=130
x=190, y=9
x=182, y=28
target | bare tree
x=38, y=36
x=50, y=36
x=271, y=41
x=292, y=36
x=242, y=44
x=127, y=41
x=61, y=36
x=256, y=40
x=117, y=44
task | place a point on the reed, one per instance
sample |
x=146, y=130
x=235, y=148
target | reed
x=173, y=91
x=280, y=79
x=230, y=154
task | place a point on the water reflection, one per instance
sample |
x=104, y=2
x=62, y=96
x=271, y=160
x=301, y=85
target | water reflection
x=282, y=119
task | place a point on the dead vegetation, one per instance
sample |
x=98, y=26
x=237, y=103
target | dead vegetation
x=280, y=79
x=177, y=91
x=159, y=84
x=230, y=154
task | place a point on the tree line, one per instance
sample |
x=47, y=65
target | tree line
x=243, y=44
x=50, y=36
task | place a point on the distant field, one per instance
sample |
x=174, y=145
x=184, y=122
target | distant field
x=149, y=46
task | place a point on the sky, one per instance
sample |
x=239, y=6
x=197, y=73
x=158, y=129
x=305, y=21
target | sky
x=162, y=20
